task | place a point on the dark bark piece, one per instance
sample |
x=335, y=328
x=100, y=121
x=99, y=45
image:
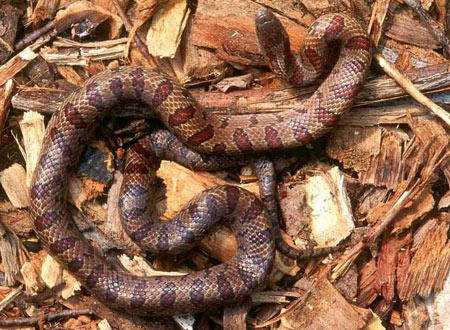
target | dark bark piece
x=40, y=73
x=94, y=163
x=9, y=17
x=347, y=285
x=234, y=316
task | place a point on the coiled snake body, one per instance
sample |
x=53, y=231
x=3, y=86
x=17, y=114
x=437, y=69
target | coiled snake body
x=219, y=136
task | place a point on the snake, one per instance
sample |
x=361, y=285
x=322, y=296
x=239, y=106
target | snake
x=192, y=135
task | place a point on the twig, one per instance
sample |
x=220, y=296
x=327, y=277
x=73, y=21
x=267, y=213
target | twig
x=30, y=321
x=33, y=36
x=139, y=42
x=434, y=27
x=47, y=294
x=7, y=45
x=409, y=88
x=11, y=296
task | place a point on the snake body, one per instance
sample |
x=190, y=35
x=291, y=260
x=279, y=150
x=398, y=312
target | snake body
x=220, y=136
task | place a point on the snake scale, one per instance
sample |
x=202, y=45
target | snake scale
x=196, y=133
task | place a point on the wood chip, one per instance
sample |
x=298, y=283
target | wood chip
x=167, y=27
x=331, y=216
x=33, y=130
x=325, y=309
x=32, y=281
x=51, y=272
x=13, y=181
x=430, y=265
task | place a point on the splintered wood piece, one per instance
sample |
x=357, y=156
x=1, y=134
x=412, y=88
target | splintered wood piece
x=324, y=309
x=145, y=10
x=13, y=181
x=140, y=267
x=51, y=272
x=112, y=227
x=44, y=10
x=422, y=204
x=293, y=11
x=366, y=117
x=220, y=244
x=196, y=62
x=387, y=263
x=404, y=28
x=5, y=100
x=33, y=130
x=355, y=146
x=385, y=168
x=70, y=74
x=430, y=264
x=367, y=290
x=377, y=19
x=11, y=296
x=410, y=57
x=10, y=253
x=413, y=211
x=166, y=29
x=319, y=8
x=83, y=56
x=239, y=82
x=434, y=136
